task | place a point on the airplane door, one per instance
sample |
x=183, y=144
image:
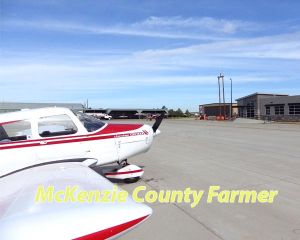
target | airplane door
x=51, y=152
x=58, y=139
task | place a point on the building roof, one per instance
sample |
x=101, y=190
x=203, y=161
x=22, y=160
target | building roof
x=216, y=104
x=27, y=114
x=135, y=109
x=257, y=93
x=19, y=105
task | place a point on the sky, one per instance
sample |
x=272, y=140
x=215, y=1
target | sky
x=146, y=54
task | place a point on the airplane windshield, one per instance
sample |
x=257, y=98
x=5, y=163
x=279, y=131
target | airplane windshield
x=90, y=123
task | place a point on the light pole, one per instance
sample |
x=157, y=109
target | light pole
x=224, y=104
x=230, y=98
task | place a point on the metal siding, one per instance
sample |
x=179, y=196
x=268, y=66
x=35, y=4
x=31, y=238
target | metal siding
x=284, y=100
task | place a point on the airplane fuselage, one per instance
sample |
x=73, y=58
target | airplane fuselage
x=34, y=137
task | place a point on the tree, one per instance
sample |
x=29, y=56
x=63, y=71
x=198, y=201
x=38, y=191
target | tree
x=187, y=113
x=179, y=113
x=171, y=113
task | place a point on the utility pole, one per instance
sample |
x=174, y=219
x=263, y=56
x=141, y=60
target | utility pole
x=230, y=98
x=221, y=80
x=219, y=83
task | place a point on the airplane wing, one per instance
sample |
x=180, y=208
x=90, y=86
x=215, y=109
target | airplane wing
x=22, y=218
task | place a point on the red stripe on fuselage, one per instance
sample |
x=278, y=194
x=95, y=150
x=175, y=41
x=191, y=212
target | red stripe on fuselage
x=114, y=128
x=112, y=231
x=4, y=123
x=109, y=129
x=120, y=173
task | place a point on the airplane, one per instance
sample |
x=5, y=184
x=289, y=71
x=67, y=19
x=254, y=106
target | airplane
x=22, y=218
x=55, y=146
x=98, y=114
x=46, y=135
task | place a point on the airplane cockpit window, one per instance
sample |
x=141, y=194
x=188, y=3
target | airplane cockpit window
x=90, y=123
x=58, y=125
x=15, y=131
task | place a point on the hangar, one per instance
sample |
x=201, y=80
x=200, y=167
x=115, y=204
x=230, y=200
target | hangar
x=129, y=113
x=17, y=106
x=213, y=110
x=132, y=113
x=117, y=113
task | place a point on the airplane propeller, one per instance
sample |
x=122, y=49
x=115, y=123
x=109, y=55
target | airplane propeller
x=158, y=122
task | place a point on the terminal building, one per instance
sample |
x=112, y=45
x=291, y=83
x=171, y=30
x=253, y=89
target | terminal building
x=266, y=106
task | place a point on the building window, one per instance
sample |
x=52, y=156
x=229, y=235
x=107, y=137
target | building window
x=268, y=110
x=294, y=109
x=250, y=111
x=15, y=131
x=279, y=110
x=56, y=126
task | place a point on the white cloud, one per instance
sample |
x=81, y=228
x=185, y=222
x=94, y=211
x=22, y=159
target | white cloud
x=260, y=59
x=127, y=30
x=161, y=66
x=200, y=24
x=284, y=46
x=205, y=28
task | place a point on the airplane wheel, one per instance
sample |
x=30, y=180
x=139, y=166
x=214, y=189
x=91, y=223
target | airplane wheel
x=131, y=180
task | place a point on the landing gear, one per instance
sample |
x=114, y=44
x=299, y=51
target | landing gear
x=128, y=172
x=123, y=163
x=131, y=180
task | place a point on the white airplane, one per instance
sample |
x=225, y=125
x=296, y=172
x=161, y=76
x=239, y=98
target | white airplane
x=98, y=114
x=55, y=146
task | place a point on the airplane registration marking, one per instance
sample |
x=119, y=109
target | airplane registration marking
x=130, y=134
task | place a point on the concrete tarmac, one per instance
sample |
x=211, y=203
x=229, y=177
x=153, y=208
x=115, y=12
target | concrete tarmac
x=198, y=154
